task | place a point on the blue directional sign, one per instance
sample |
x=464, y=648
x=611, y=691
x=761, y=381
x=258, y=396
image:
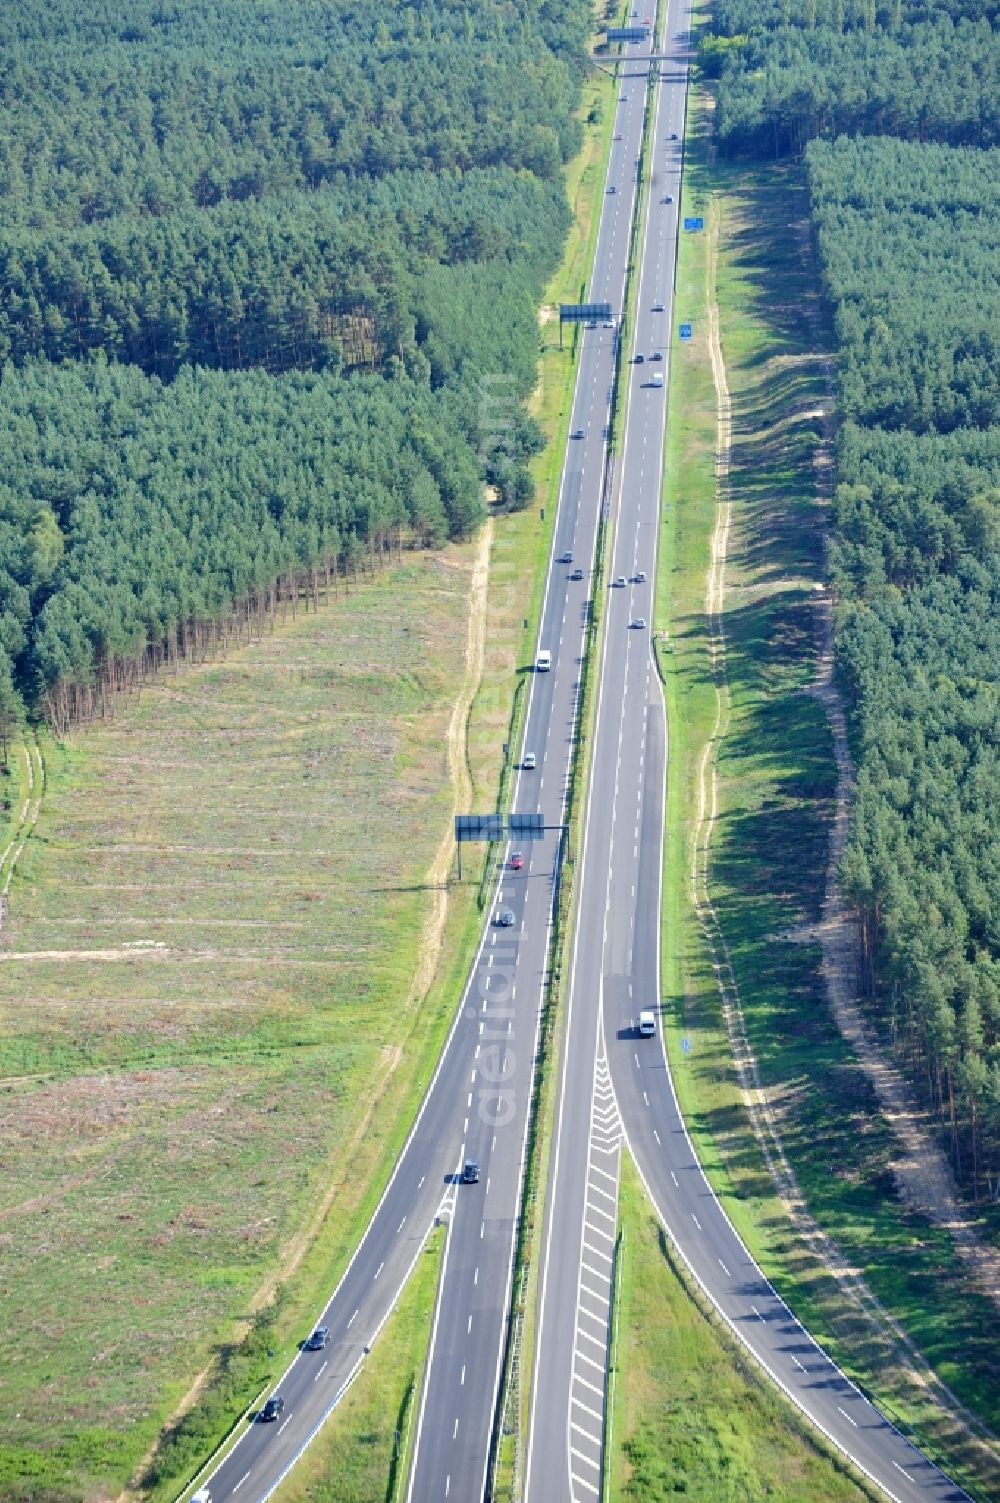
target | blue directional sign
x=478, y=827
x=686, y=1045
x=627, y=33
x=694, y=222
x=685, y=331
x=527, y=826
x=584, y=312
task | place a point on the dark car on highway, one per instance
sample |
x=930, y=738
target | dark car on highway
x=470, y=1173
x=318, y=1340
x=272, y=1408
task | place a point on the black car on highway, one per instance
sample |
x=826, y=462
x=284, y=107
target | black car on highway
x=272, y=1408
x=318, y=1340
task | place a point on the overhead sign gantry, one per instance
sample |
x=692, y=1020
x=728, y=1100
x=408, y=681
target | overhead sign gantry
x=583, y=313
x=528, y=825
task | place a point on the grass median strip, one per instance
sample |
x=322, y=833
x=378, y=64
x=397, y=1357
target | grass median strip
x=554, y=398
x=516, y=1413
x=362, y=1453
x=692, y=1417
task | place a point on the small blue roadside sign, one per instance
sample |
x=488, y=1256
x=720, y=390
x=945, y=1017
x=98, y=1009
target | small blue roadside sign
x=685, y=331
x=686, y=1045
x=694, y=222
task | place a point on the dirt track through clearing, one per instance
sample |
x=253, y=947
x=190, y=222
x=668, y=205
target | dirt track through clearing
x=923, y=1175
x=429, y=951
x=28, y=817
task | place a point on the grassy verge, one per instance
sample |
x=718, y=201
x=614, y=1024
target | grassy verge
x=692, y=1416
x=361, y=1454
x=776, y=780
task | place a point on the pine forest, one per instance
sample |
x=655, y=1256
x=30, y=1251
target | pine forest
x=257, y=262
x=896, y=111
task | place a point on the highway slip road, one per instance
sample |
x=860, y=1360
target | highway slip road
x=477, y=1102
x=616, y=1086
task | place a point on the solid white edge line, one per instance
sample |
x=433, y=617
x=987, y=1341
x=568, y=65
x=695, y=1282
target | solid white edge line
x=348, y=1381
x=548, y=930
x=425, y=1387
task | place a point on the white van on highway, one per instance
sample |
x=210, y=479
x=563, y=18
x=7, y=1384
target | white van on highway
x=647, y=1024
x=656, y=380
x=543, y=662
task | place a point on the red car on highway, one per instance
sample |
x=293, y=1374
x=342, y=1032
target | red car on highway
x=516, y=861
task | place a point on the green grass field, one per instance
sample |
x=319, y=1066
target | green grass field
x=692, y=1417
x=776, y=782
x=204, y=972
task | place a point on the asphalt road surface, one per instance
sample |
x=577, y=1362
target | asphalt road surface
x=615, y=1085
